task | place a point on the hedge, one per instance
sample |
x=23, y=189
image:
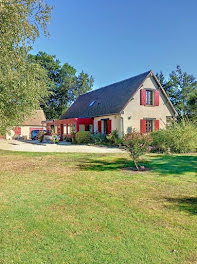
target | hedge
x=83, y=137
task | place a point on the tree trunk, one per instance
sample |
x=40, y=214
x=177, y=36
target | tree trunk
x=136, y=165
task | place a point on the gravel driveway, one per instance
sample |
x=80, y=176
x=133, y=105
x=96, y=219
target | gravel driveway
x=35, y=146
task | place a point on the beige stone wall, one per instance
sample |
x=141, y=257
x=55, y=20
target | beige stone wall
x=133, y=112
x=116, y=122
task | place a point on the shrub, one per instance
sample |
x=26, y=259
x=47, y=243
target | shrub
x=180, y=137
x=114, y=138
x=160, y=142
x=99, y=139
x=83, y=137
x=53, y=138
x=137, y=144
x=41, y=136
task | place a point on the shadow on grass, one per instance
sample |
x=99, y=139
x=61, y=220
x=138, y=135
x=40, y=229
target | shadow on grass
x=188, y=204
x=162, y=164
x=174, y=164
x=102, y=165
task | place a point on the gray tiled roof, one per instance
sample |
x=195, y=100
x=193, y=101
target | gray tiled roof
x=110, y=99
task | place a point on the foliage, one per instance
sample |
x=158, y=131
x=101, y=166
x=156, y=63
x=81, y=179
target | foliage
x=83, y=137
x=99, y=138
x=137, y=144
x=181, y=88
x=54, y=137
x=114, y=138
x=23, y=84
x=160, y=141
x=65, y=85
x=41, y=136
x=180, y=137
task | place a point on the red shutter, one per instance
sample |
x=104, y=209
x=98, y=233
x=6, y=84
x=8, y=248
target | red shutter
x=156, y=98
x=143, y=97
x=156, y=124
x=99, y=126
x=143, y=126
x=109, y=127
x=17, y=131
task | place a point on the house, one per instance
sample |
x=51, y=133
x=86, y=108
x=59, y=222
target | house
x=138, y=103
x=35, y=122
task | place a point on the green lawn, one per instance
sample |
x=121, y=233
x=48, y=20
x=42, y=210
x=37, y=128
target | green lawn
x=82, y=208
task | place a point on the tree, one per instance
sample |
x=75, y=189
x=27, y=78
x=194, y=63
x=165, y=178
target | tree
x=192, y=106
x=23, y=83
x=161, y=78
x=65, y=85
x=137, y=144
x=181, y=89
x=52, y=67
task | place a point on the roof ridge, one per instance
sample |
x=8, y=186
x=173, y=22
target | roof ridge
x=111, y=98
x=148, y=72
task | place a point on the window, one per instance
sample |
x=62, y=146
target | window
x=65, y=129
x=149, y=126
x=129, y=130
x=168, y=120
x=91, y=104
x=81, y=127
x=149, y=97
x=105, y=127
x=89, y=128
x=73, y=128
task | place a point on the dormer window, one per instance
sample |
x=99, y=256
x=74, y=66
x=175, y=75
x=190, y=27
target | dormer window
x=91, y=104
x=149, y=97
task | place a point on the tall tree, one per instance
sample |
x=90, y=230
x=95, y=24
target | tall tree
x=65, y=84
x=22, y=83
x=181, y=88
x=52, y=67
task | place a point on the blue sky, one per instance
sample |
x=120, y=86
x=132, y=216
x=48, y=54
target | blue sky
x=116, y=39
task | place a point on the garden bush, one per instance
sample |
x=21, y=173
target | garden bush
x=114, y=138
x=41, y=136
x=179, y=137
x=160, y=141
x=99, y=139
x=83, y=137
x=137, y=144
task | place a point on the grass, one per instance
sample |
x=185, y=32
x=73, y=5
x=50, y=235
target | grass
x=82, y=208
